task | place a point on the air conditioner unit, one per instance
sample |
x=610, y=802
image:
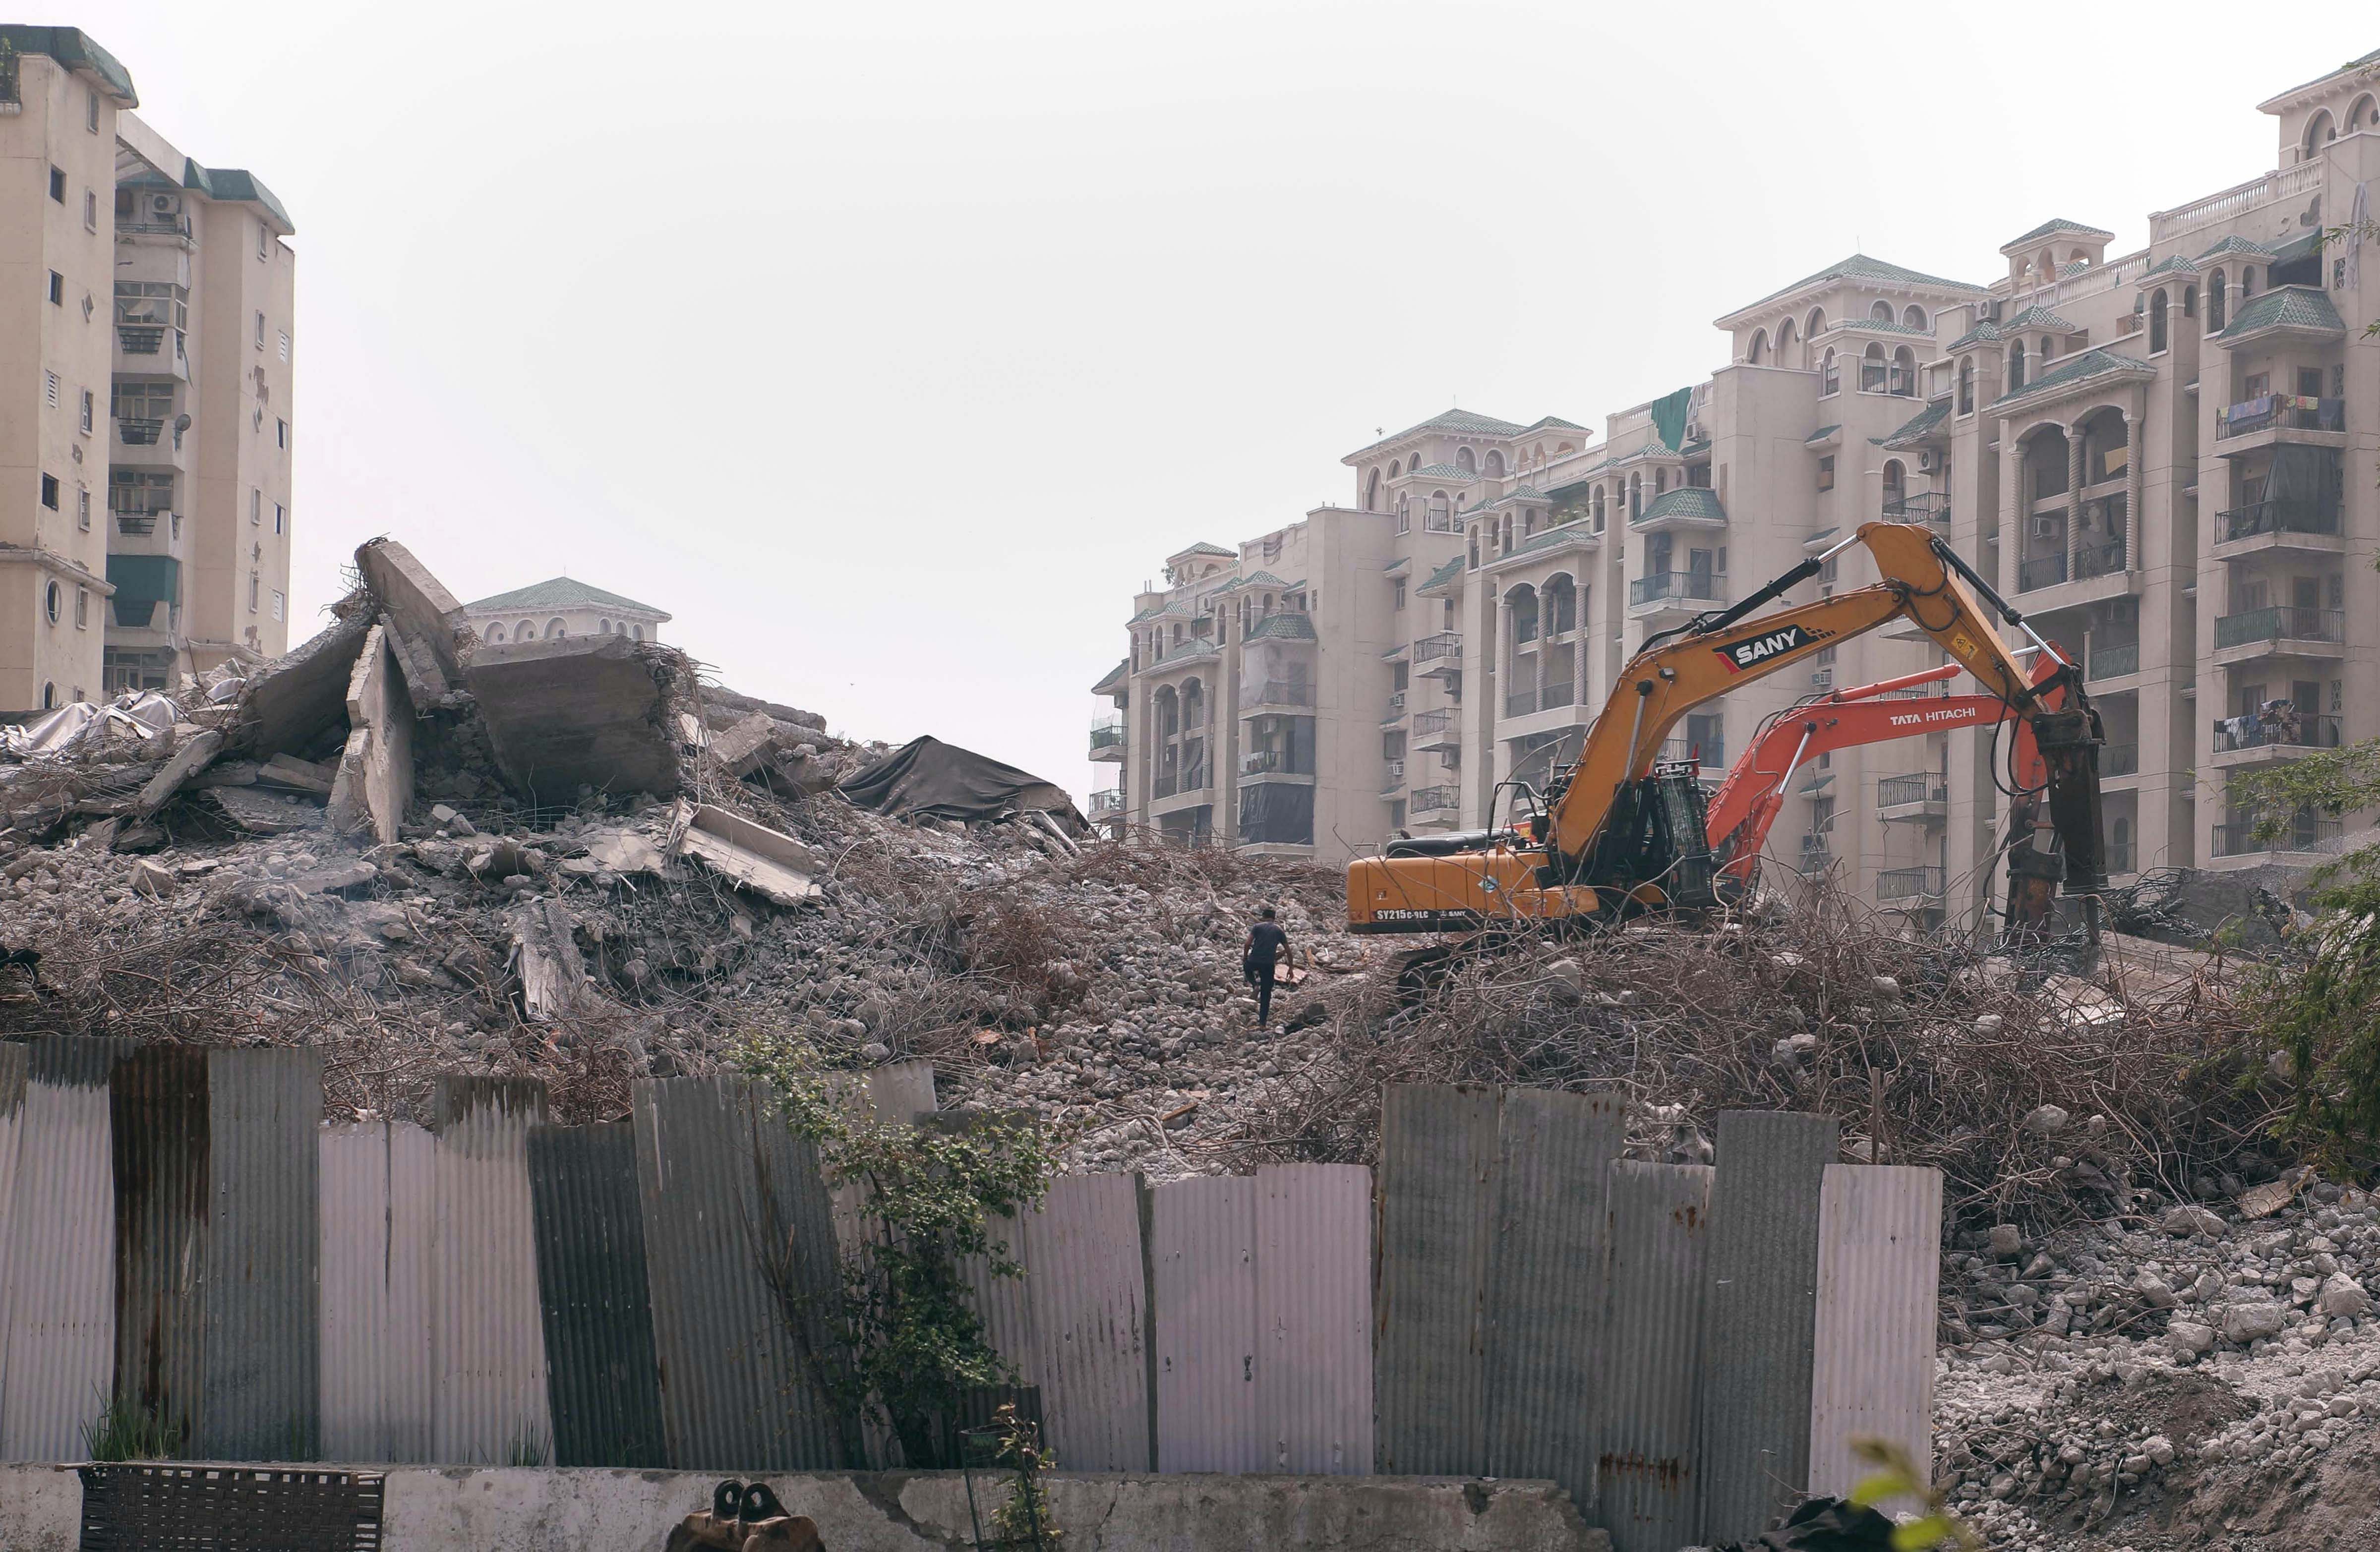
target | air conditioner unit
x=2044, y=527
x=1822, y=678
x=162, y=203
x=1694, y=431
x=2125, y=611
x=1928, y=460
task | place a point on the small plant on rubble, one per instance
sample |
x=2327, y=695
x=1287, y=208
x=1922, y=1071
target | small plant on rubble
x=1022, y=1517
x=903, y=1343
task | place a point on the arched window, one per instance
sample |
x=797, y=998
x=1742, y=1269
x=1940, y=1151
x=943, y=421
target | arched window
x=635, y=632
x=2189, y=301
x=1194, y=707
x=2016, y=365
x=1561, y=605
x=49, y=696
x=1785, y=344
x=2320, y=132
x=1816, y=324
x=1474, y=531
x=1895, y=488
x=1599, y=509
x=2247, y=283
x=1392, y=469
x=1904, y=372
x=1880, y=312
x=1372, y=491
x=1759, y=347
x=1967, y=386
x=1913, y=317
x=554, y=630
x=1465, y=461
x=495, y=635
x=1635, y=497
x=52, y=602
x=1521, y=604
x=1495, y=464
x=2157, y=324
x=525, y=631
x=1829, y=375
x=2044, y=269
x=1871, y=372
x=2215, y=303
x=2365, y=115
x=2079, y=256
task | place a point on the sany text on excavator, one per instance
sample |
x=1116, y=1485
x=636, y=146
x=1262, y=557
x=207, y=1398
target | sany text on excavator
x=1620, y=833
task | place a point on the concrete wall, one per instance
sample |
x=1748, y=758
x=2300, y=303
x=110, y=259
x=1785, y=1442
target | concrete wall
x=535, y=1511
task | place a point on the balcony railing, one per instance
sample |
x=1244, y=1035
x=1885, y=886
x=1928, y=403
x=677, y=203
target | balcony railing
x=1107, y=734
x=1924, y=786
x=1445, y=644
x=2114, y=662
x=1428, y=724
x=1107, y=803
x=2099, y=560
x=2119, y=759
x=2297, y=515
x=2291, y=729
x=1552, y=696
x=1520, y=703
x=1278, y=692
x=1932, y=507
x=1691, y=587
x=1395, y=779
x=1709, y=752
x=1170, y=783
x=2280, y=622
x=1909, y=883
x=1430, y=800
x=138, y=432
x=1274, y=762
x=2042, y=571
x=1878, y=377
x=2301, y=834
x=140, y=339
x=2295, y=411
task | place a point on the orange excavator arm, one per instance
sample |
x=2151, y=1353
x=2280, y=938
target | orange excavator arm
x=1753, y=795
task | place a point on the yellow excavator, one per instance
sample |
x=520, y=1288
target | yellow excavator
x=1621, y=833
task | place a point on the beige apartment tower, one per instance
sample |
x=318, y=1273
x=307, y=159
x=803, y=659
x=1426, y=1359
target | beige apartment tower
x=2165, y=458
x=147, y=347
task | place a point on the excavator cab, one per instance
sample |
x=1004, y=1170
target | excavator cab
x=1657, y=840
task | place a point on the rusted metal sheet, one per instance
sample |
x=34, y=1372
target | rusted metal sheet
x=158, y=1121
x=739, y=1238
x=61, y=1334
x=1203, y=1320
x=1544, y=1338
x=1760, y=1317
x=261, y=1384
x=1649, y=1302
x=1438, y=1191
x=487, y=1336
x=377, y=1195
x=1879, y=1264
x=12, y=1126
x=1313, y=1318
x=1086, y=1280
x=604, y=1389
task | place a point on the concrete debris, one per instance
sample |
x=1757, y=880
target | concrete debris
x=740, y=750
x=768, y=862
x=373, y=785
x=423, y=621
x=581, y=713
x=192, y=758
x=545, y=955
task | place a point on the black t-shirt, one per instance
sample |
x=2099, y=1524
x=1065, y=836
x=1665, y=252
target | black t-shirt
x=1265, y=943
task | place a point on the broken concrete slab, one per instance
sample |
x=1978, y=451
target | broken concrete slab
x=740, y=749
x=579, y=711
x=425, y=621
x=546, y=957
x=374, y=785
x=619, y=851
x=192, y=758
x=289, y=702
x=304, y=775
x=263, y=813
x=336, y=877
x=768, y=862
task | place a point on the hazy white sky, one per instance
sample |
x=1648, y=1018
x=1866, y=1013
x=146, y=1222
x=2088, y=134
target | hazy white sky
x=890, y=348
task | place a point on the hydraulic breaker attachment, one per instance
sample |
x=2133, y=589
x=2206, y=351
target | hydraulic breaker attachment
x=2070, y=755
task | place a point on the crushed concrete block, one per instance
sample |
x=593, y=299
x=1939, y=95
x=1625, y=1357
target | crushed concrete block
x=2264, y=1201
x=622, y=851
x=768, y=862
x=742, y=748
x=546, y=957
x=288, y=770
x=226, y=773
x=261, y=813
x=374, y=784
x=188, y=760
x=579, y=711
x=425, y=621
x=288, y=702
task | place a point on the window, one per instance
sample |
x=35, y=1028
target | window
x=635, y=632
x=82, y=509
x=49, y=697
x=281, y=433
x=280, y=518
x=1831, y=375
x=2189, y=301
x=53, y=596
x=255, y=585
x=278, y=604
x=50, y=491
x=57, y=289
x=1398, y=593
x=90, y=412
x=260, y=331
x=255, y=507
x=264, y=240
x=58, y=185
x=2215, y=303
x=2258, y=385
x=50, y=389
x=285, y=345
x=82, y=612
x=90, y=111
x=2015, y=366
x=2157, y=324
x=89, y=210
x=1826, y=472
x=1967, y=386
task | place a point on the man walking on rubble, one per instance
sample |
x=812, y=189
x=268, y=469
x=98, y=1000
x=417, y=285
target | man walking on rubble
x=1266, y=951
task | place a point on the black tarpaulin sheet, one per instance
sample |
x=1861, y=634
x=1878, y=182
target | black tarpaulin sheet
x=929, y=779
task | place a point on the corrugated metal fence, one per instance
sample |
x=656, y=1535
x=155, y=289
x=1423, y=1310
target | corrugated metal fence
x=1682, y=1348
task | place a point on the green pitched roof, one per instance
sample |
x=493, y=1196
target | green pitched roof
x=2292, y=306
x=1202, y=547
x=561, y=592
x=2175, y=264
x=2235, y=245
x=1440, y=471
x=1553, y=423
x=1288, y=626
x=2039, y=318
x=1859, y=266
x=1443, y=574
x=1821, y=434
x=2367, y=59
x=1686, y=501
x=1983, y=333
x=1883, y=326
x=2058, y=225
x=75, y=49
x=1933, y=416
x=1461, y=422
x=2074, y=369
x=1114, y=679
x=2303, y=246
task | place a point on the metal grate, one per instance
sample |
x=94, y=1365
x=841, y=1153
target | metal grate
x=228, y=1508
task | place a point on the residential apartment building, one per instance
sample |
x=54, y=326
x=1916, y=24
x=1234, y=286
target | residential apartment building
x=561, y=606
x=146, y=362
x=2165, y=458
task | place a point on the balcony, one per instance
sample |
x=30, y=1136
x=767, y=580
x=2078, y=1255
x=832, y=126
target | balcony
x=138, y=430
x=1437, y=730
x=1681, y=590
x=1522, y=703
x=2301, y=834
x=2285, y=412
x=1442, y=799
x=1917, y=887
x=1439, y=655
x=1711, y=752
x=1879, y=376
x=2043, y=570
x=1922, y=796
x=1816, y=854
x=2114, y=662
x=1933, y=507
x=1394, y=781
x=1434, y=519
x=1174, y=783
x=140, y=339
x=1107, y=739
x=2288, y=730
x=2119, y=759
x=1275, y=762
x=2282, y=525
x=2287, y=629
x=1276, y=692
x=1107, y=803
